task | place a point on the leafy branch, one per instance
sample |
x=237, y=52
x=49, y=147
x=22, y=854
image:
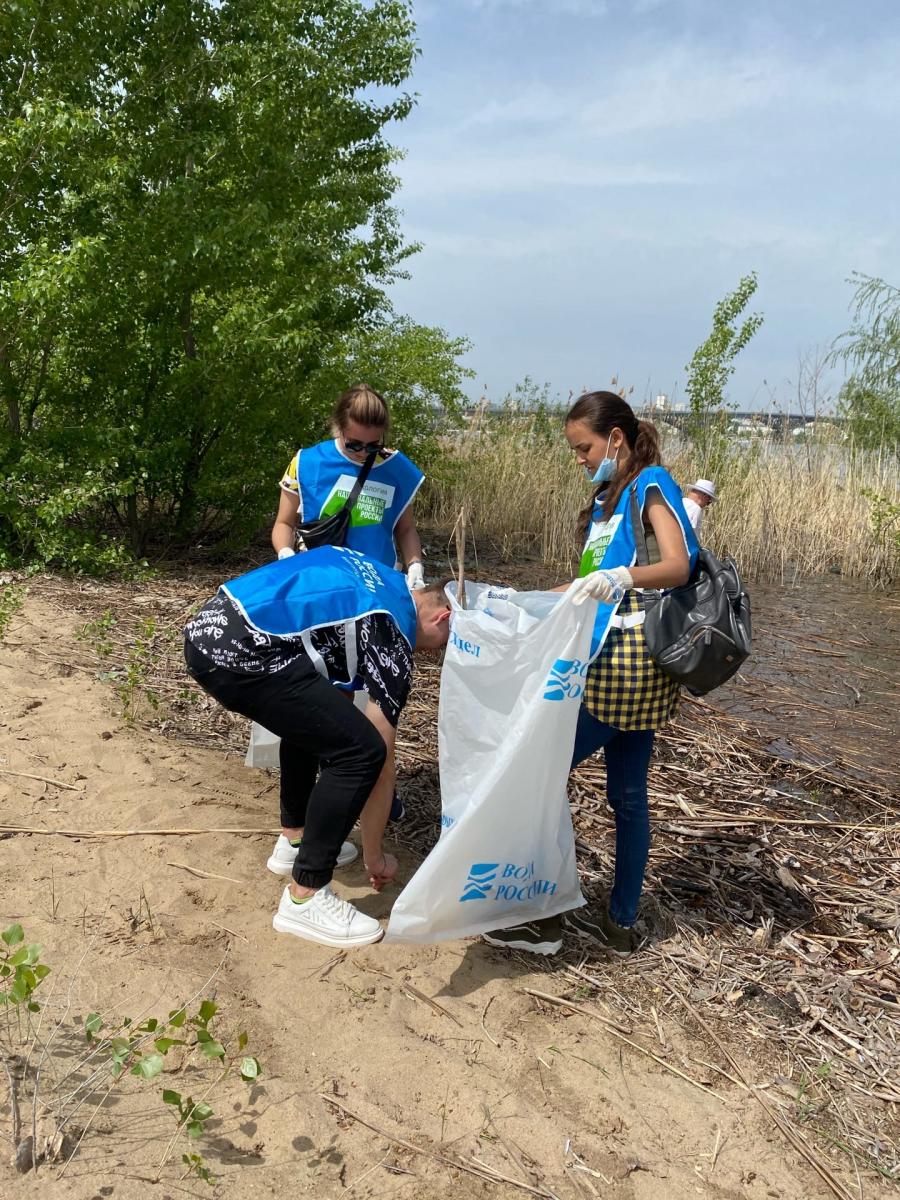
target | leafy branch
x=134, y=1047
x=710, y=369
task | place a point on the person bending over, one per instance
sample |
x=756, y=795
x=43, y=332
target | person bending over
x=278, y=645
x=699, y=496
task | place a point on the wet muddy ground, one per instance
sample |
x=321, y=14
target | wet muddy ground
x=823, y=683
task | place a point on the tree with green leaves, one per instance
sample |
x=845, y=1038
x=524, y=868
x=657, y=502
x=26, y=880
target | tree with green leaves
x=196, y=230
x=870, y=349
x=710, y=369
x=417, y=367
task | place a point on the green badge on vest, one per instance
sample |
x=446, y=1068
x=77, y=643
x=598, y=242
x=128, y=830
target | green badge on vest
x=371, y=504
x=600, y=535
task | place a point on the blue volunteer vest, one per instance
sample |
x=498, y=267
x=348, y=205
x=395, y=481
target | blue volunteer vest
x=330, y=585
x=326, y=477
x=611, y=543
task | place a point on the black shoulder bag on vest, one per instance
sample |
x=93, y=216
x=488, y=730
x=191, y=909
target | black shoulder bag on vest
x=699, y=633
x=332, y=531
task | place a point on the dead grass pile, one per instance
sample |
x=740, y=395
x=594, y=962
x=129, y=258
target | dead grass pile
x=771, y=915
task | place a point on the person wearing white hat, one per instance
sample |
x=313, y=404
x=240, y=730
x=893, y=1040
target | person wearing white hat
x=700, y=494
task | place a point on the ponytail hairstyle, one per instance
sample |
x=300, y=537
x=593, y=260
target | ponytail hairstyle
x=603, y=412
x=361, y=404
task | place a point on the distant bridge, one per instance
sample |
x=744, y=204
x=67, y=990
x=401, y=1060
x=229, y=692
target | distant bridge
x=778, y=422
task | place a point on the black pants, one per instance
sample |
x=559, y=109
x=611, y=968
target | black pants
x=331, y=755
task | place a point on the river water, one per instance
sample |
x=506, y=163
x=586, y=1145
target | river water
x=823, y=682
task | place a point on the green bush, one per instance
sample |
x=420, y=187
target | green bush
x=196, y=238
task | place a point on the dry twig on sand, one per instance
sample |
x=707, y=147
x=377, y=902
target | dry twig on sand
x=119, y=833
x=57, y=783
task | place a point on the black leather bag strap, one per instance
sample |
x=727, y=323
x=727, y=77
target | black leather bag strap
x=360, y=484
x=649, y=597
x=332, y=530
x=637, y=528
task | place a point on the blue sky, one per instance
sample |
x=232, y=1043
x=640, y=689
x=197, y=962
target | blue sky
x=589, y=177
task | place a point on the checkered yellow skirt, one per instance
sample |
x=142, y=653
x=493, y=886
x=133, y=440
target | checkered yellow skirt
x=625, y=688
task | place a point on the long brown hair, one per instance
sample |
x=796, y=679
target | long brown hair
x=603, y=412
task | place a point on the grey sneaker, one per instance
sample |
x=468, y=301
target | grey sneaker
x=537, y=937
x=596, y=923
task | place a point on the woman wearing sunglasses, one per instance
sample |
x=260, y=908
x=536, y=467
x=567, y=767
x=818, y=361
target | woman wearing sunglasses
x=319, y=479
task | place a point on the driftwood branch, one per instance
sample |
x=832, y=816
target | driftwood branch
x=117, y=833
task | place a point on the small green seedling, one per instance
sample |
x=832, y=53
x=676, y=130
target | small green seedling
x=195, y=1166
x=12, y=596
x=141, y=1049
x=21, y=971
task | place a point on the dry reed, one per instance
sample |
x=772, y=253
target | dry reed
x=783, y=511
x=771, y=922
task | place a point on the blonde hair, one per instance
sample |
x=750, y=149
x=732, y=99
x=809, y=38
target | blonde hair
x=362, y=404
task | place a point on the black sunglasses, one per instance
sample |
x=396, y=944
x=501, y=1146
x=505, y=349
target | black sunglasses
x=370, y=447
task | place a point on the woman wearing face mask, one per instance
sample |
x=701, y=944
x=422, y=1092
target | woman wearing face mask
x=626, y=697
x=319, y=479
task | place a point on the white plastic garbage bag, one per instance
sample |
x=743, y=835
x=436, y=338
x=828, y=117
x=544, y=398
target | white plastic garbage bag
x=263, y=748
x=511, y=687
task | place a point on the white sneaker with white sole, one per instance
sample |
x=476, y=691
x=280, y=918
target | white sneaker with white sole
x=281, y=860
x=326, y=918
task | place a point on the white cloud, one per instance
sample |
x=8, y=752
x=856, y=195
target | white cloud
x=676, y=89
x=694, y=85
x=539, y=105
x=581, y=8
x=456, y=172
x=590, y=237
x=502, y=247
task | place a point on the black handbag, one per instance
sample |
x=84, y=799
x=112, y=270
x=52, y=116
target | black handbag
x=332, y=530
x=699, y=633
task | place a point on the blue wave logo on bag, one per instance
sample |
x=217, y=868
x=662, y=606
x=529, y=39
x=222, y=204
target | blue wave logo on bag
x=517, y=882
x=566, y=679
x=482, y=877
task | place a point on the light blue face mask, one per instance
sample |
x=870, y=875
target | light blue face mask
x=606, y=470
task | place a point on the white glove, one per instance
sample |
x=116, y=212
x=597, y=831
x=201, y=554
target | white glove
x=286, y=552
x=607, y=586
x=415, y=576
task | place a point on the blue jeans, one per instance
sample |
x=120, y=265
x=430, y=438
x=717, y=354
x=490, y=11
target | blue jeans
x=627, y=754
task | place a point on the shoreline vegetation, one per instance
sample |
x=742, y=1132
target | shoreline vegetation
x=787, y=509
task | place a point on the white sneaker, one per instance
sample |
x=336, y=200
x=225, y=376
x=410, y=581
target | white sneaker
x=326, y=918
x=281, y=860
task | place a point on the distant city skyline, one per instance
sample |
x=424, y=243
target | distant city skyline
x=589, y=177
